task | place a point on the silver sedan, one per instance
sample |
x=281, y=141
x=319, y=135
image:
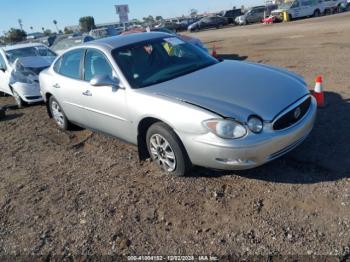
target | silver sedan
x=179, y=105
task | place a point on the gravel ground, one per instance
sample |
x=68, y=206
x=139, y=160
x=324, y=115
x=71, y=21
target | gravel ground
x=82, y=193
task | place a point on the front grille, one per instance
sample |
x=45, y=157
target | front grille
x=33, y=97
x=293, y=116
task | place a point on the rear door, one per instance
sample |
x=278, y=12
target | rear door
x=68, y=87
x=307, y=8
x=296, y=10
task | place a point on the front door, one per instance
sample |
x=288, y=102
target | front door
x=105, y=105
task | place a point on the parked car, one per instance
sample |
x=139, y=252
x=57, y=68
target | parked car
x=305, y=8
x=231, y=15
x=208, y=22
x=60, y=46
x=179, y=105
x=255, y=14
x=20, y=66
x=333, y=6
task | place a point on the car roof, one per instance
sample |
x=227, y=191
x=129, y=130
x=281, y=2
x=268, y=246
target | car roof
x=124, y=40
x=19, y=46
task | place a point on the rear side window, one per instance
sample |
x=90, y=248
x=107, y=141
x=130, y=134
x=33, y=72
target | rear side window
x=57, y=65
x=70, y=64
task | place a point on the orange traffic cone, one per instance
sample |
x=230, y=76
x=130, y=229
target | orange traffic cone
x=318, y=92
x=214, y=53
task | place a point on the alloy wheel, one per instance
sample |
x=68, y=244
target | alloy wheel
x=57, y=114
x=162, y=152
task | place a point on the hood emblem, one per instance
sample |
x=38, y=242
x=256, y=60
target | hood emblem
x=297, y=113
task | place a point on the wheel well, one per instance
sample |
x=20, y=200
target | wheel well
x=47, y=96
x=142, y=128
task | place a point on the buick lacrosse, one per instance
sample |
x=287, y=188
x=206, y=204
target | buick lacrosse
x=179, y=105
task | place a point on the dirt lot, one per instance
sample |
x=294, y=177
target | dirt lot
x=73, y=193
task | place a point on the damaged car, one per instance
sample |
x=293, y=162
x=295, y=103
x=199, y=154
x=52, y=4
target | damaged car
x=179, y=105
x=20, y=66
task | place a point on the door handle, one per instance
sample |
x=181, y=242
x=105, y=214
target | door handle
x=87, y=93
x=56, y=86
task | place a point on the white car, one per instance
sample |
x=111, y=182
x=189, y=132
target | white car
x=300, y=8
x=20, y=66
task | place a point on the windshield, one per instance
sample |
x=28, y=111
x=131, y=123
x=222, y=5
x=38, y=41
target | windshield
x=160, y=60
x=12, y=55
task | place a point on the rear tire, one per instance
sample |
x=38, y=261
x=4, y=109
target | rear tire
x=166, y=149
x=57, y=114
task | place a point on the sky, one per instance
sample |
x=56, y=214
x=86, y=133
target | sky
x=41, y=13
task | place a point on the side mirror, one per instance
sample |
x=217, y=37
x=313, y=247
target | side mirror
x=104, y=80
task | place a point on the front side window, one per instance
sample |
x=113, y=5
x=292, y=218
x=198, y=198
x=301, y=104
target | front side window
x=70, y=64
x=96, y=64
x=159, y=60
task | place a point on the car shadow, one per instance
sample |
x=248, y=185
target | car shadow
x=232, y=57
x=9, y=117
x=324, y=155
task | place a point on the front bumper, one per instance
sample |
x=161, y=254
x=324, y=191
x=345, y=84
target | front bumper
x=30, y=93
x=251, y=151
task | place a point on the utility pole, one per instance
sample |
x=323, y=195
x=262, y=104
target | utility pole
x=20, y=23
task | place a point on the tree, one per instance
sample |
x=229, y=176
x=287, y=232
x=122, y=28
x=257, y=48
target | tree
x=47, y=32
x=159, y=18
x=87, y=23
x=15, y=35
x=148, y=20
x=68, y=31
x=31, y=28
x=193, y=12
x=135, y=21
x=43, y=29
x=55, y=23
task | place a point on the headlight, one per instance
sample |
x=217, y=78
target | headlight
x=227, y=129
x=255, y=124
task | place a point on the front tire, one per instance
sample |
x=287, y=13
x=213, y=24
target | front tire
x=58, y=114
x=166, y=149
x=317, y=13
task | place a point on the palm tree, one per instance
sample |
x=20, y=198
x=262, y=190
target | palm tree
x=20, y=23
x=55, y=23
x=43, y=28
x=31, y=28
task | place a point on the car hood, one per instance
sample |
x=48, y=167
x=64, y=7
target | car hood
x=277, y=11
x=236, y=89
x=29, y=68
x=36, y=61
